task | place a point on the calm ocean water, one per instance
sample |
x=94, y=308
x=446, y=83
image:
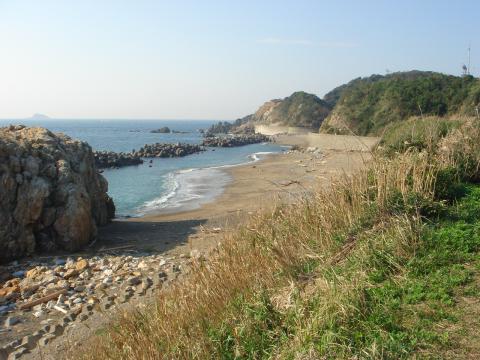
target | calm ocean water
x=170, y=185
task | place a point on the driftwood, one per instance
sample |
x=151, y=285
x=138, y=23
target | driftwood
x=62, y=310
x=116, y=248
x=42, y=300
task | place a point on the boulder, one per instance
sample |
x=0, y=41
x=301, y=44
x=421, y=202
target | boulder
x=51, y=194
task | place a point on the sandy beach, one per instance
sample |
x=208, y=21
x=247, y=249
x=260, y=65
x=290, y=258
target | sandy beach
x=254, y=187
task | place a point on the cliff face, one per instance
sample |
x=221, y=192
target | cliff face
x=299, y=109
x=51, y=195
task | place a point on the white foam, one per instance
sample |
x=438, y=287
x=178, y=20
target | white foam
x=191, y=188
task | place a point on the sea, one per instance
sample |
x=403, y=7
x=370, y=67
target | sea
x=169, y=185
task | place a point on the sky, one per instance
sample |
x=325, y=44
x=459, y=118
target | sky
x=142, y=59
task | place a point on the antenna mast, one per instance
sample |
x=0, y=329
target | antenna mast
x=469, y=50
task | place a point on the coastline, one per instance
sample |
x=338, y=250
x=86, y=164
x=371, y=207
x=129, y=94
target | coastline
x=254, y=187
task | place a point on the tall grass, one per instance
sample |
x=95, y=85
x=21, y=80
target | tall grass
x=297, y=282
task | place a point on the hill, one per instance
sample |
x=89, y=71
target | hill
x=366, y=105
x=299, y=109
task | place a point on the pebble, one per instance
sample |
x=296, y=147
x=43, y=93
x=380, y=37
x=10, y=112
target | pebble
x=17, y=353
x=133, y=280
x=59, y=262
x=29, y=341
x=39, y=313
x=19, y=274
x=86, y=281
x=11, y=321
x=55, y=329
x=46, y=339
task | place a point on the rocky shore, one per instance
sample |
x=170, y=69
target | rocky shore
x=163, y=150
x=51, y=194
x=42, y=299
x=234, y=140
x=110, y=159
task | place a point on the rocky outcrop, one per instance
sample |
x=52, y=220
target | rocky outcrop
x=239, y=126
x=162, y=130
x=234, y=140
x=168, y=150
x=110, y=159
x=51, y=194
x=298, y=110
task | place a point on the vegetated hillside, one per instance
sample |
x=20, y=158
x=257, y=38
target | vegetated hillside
x=299, y=109
x=366, y=105
x=383, y=264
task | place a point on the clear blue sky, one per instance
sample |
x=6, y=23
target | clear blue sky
x=214, y=59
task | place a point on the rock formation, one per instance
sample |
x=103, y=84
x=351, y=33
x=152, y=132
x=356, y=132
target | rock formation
x=167, y=150
x=234, y=140
x=110, y=159
x=299, y=109
x=162, y=130
x=51, y=194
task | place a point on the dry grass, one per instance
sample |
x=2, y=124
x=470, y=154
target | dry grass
x=312, y=259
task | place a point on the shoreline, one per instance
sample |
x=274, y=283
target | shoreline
x=255, y=187
x=206, y=192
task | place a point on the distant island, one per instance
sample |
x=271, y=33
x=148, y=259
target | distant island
x=38, y=117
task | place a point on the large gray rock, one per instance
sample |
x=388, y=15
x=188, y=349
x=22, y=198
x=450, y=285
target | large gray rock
x=51, y=194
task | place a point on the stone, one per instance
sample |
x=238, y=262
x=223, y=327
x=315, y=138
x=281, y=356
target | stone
x=39, y=313
x=18, y=353
x=133, y=280
x=55, y=329
x=44, y=340
x=79, y=288
x=108, y=272
x=107, y=305
x=52, y=196
x=29, y=341
x=59, y=262
x=19, y=274
x=70, y=273
x=11, y=321
x=81, y=265
x=68, y=318
x=162, y=275
x=8, y=292
x=33, y=273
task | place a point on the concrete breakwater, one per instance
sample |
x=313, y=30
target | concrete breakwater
x=111, y=159
x=168, y=150
x=234, y=140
